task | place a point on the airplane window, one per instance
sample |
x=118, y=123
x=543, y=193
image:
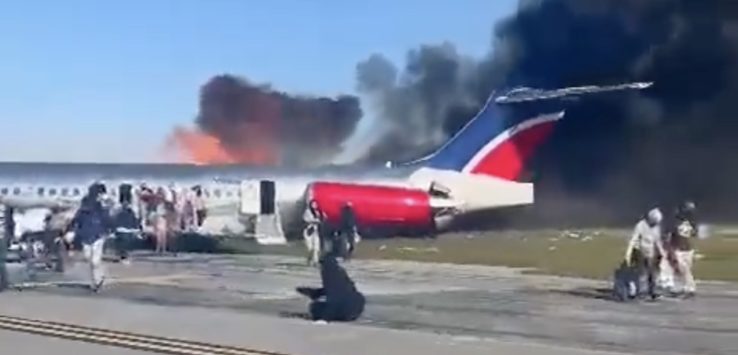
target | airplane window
x=4, y=191
x=52, y=192
x=64, y=191
x=216, y=193
x=16, y=191
x=75, y=192
x=229, y=193
x=206, y=193
x=40, y=191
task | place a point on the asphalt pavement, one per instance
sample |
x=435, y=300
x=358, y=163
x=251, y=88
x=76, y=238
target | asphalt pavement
x=412, y=308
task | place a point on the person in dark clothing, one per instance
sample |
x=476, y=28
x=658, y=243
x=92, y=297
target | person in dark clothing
x=127, y=225
x=125, y=194
x=91, y=224
x=348, y=231
x=682, y=238
x=199, y=204
x=338, y=299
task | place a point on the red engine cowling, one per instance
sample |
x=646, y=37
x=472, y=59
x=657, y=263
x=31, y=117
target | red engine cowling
x=374, y=206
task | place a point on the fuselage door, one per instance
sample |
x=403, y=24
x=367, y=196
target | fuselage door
x=251, y=197
x=267, y=197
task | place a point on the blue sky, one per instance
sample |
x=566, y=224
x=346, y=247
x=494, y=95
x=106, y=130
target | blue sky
x=90, y=80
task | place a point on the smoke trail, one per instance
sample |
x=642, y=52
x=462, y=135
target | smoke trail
x=254, y=124
x=674, y=141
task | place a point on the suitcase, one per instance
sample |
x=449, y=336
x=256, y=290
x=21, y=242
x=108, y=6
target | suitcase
x=625, y=280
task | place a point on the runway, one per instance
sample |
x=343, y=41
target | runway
x=412, y=308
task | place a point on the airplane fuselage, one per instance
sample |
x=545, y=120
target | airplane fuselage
x=35, y=184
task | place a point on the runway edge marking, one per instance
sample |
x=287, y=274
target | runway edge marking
x=157, y=344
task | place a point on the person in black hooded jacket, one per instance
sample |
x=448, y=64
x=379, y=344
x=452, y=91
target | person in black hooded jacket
x=91, y=224
x=338, y=299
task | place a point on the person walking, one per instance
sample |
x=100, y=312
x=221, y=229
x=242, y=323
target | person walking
x=314, y=219
x=92, y=223
x=685, y=231
x=348, y=230
x=645, y=249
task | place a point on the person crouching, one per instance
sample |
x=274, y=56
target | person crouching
x=338, y=299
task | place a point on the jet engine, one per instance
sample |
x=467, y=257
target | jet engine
x=378, y=207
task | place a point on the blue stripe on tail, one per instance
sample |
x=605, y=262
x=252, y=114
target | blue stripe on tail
x=462, y=147
x=498, y=141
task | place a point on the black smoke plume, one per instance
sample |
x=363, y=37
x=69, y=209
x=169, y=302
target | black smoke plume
x=612, y=157
x=254, y=121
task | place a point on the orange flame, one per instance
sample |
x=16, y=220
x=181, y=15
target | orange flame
x=197, y=147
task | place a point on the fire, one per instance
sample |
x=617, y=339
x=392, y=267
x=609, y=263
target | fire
x=199, y=147
x=195, y=146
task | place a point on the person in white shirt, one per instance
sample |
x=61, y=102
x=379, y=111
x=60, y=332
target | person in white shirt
x=644, y=250
x=314, y=218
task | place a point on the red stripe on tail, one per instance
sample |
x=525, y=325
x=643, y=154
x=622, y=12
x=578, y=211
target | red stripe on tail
x=507, y=160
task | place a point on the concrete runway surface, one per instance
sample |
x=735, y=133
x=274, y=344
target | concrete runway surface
x=412, y=308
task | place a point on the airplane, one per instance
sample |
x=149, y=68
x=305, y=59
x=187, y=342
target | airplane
x=480, y=168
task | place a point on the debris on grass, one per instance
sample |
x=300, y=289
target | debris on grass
x=572, y=235
x=418, y=250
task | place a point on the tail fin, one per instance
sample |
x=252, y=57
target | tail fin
x=494, y=145
x=490, y=145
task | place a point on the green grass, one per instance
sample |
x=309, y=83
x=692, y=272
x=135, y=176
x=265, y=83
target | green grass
x=545, y=252
x=591, y=254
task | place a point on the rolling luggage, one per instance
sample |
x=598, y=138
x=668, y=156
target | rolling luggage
x=625, y=281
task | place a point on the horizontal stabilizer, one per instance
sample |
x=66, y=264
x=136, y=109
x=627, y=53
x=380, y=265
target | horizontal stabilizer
x=526, y=94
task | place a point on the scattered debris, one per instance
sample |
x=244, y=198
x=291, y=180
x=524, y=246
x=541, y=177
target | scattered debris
x=552, y=248
x=568, y=234
x=419, y=250
x=583, y=236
